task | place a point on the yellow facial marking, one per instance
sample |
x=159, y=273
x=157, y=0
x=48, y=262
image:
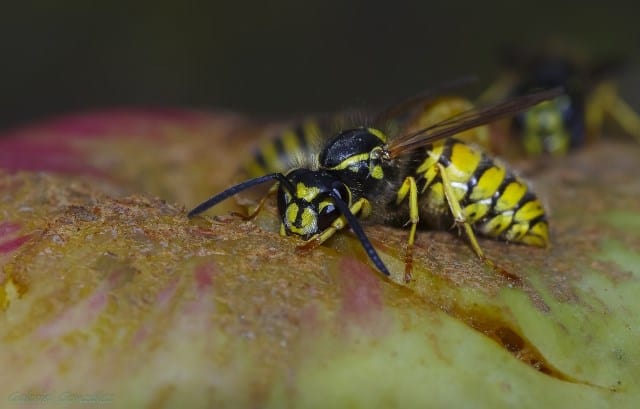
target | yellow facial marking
x=305, y=192
x=308, y=220
x=291, y=214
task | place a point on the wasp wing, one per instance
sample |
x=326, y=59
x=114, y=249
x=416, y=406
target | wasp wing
x=405, y=106
x=467, y=120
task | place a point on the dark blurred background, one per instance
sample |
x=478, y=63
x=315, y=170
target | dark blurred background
x=278, y=57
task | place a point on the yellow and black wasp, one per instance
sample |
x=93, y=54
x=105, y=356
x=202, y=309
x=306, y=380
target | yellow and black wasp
x=571, y=120
x=422, y=177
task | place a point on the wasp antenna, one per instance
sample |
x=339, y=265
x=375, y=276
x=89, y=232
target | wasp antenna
x=214, y=200
x=357, y=229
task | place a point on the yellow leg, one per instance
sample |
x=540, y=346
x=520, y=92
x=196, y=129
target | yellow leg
x=361, y=206
x=604, y=100
x=459, y=218
x=456, y=211
x=409, y=188
x=626, y=117
x=594, y=113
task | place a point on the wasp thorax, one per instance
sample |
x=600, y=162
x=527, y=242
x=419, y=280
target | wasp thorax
x=356, y=151
x=307, y=204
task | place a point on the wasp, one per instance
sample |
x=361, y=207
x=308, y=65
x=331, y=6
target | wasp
x=571, y=120
x=414, y=177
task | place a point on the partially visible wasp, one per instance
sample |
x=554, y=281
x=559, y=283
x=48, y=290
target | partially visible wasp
x=290, y=146
x=414, y=177
x=568, y=121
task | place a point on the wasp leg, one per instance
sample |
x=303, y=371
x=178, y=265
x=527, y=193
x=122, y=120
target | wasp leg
x=410, y=188
x=459, y=218
x=260, y=205
x=361, y=206
x=458, y=215
x=605, y=100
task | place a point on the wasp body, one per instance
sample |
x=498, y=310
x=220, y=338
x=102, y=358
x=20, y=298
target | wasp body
x=493, y=200
x=568, y=121
x=421, y=177
x=287, y=148
x=444, y=182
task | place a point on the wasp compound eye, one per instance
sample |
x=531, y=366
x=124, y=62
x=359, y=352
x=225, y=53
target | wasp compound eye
x=327, y=214
x=340, y=191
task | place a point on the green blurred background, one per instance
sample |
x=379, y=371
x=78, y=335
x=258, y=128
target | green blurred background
x=278, y=57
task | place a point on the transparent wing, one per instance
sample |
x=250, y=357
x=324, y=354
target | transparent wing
x=410, y=103
x=467, y=120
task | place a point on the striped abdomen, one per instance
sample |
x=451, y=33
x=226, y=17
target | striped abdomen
x=493, y=200
x=285, y=150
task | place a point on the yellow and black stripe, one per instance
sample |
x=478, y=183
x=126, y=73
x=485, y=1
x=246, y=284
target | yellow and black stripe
x=494, y=201
x=327, y=180
x=286, y=150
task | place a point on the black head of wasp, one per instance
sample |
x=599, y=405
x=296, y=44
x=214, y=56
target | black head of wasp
x=414, y=177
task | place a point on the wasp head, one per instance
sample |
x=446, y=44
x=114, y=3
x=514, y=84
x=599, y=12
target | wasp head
x=307, y=204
